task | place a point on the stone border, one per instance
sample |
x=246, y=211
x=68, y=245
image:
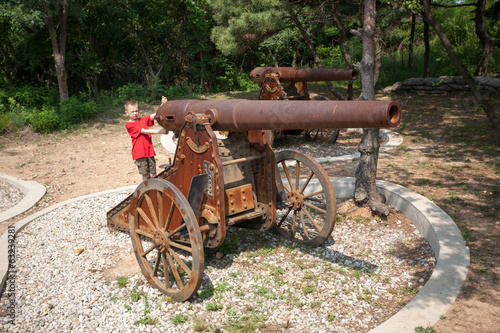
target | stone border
x=32, y=192
x=435, y=297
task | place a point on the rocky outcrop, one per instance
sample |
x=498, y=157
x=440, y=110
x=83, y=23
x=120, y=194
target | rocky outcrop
x=444, y=84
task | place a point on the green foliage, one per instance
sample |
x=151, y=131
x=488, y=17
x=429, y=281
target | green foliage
x=75, y=110
x=45, y=120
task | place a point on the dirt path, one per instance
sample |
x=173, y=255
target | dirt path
x=448, y=155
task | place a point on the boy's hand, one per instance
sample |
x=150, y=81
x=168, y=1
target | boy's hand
x=163, y=100
x=162, y=131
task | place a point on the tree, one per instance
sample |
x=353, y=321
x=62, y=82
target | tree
x=56, y=19
x=365, y=191
x=480, y=99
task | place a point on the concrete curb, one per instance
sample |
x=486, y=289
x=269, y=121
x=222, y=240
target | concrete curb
x=32, y=191
x=433, y=300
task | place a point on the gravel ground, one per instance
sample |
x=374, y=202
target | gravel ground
x=257, y=280
x=9, y=196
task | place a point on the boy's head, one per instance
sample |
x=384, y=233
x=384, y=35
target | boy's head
x=132, y=110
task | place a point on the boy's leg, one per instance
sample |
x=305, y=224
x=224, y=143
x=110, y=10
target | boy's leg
x=143, y=167
x=152, y=167
x=146, y=167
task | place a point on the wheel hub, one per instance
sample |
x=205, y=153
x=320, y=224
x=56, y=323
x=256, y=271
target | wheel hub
x=296, y=199
x=160, y=240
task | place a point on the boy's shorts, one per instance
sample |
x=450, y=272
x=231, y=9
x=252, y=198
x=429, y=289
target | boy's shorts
x=146, y=165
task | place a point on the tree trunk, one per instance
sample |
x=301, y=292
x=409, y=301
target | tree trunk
x=343, y=40
x=366, y=191
x=309, y=43
x=480, y=99
x=427, y=51
x=487, y=42
x=59, y=46
x=410, y=46
x=7, y=69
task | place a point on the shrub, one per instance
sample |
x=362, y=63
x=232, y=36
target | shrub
x=4, y=122
x=45, y=120
x=133, y=91
x=75, y=110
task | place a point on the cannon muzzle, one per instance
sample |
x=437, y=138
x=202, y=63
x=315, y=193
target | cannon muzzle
x=245, y=115
x=293, y=74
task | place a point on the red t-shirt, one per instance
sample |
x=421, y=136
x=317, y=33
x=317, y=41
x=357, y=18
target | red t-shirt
x=142, y=145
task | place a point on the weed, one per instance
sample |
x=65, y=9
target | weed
x=51, y=306
x=200, y=325
x=330, y=316
x=122, y=281
x=214, y=306
x=179, y=318
x=147, y=321
x=421, y=329
x=309, y=289
x=135, y=295
x=108, y=283
x=207, y=292
x=128, y=307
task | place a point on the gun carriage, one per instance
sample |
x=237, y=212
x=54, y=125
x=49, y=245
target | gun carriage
x=215, y=183
x=271, y=81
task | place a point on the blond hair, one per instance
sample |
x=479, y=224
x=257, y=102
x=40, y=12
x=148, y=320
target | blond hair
x=130, y=103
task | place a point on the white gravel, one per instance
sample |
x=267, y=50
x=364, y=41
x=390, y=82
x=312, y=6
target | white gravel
x=9, y=196
x=262, y=282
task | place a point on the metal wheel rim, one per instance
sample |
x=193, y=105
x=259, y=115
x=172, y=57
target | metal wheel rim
x=178, y=252
x=305, y=224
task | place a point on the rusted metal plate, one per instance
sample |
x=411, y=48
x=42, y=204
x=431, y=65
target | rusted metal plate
x=239, y=199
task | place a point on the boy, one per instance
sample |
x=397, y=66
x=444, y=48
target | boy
x=143, y=152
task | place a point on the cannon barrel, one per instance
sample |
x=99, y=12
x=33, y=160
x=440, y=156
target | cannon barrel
x=245, y=115
x=293, y=74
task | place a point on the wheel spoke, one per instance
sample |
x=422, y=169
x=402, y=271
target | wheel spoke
x=159, y=198
x=297, y=175
x=175, y=271
x=322, y=211
x=179, y=228
x=294, y=221
x=313, y=194
x=180, y=261
x=311, y=174
x=313, y=221
x=284, y=217
x=157, y=263
x=144, y=233
x=180, y=246
x=149, y=250
x=303, y=224
x=166, y=270
x=146, y=218
x=285, y=169
x=169, y=217
x=152, y=209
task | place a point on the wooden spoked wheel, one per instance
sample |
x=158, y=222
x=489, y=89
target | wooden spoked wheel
x=307, y=197
x=323, y=135
x=166, y=239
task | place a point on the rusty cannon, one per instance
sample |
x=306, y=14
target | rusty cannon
x=214, y=183
x=271, y=81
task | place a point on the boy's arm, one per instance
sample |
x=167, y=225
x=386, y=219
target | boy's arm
x=153, y=131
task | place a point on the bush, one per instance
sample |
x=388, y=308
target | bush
x=133, y=91
x=75, y=110
x=4, y=122
x=45, y=120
